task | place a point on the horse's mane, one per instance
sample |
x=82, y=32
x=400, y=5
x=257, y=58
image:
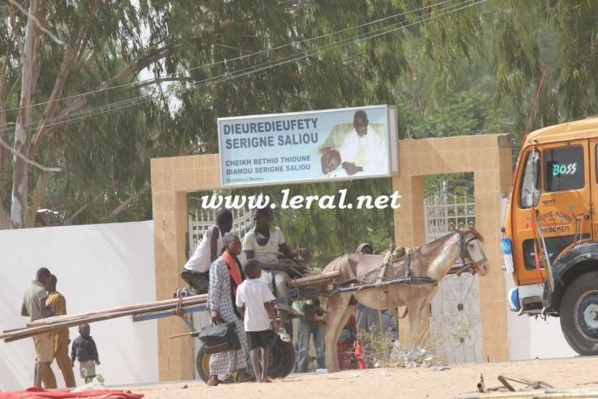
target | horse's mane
x=433, y=244
x=472, y=230
x=461, y=232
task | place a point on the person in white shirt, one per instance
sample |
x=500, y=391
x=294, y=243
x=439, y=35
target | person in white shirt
x=196, y=271
x=264, y=242
x=363, y=150
x=256, y=303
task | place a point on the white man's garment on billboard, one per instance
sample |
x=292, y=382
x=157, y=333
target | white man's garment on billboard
x=335, y=144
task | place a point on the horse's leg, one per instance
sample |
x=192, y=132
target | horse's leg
x=418, y=304
x=414, y=320
x=424, y=314
x=338, y=314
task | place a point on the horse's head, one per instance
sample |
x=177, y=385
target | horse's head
x=471, y=248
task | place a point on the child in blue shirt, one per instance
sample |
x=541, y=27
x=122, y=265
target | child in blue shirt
x=85, y=351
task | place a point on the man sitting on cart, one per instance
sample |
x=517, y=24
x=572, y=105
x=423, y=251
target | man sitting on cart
x=263, y=243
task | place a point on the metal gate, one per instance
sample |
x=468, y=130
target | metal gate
x=455, y=328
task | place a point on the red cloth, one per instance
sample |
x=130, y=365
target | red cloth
x=346, y=357
x=351, y=322
x=39, y=393
x=359, y=355
x=233, y=270
x=346, y=350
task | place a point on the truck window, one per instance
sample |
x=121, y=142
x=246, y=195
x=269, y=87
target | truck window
x=564, y=168
x=531, y=178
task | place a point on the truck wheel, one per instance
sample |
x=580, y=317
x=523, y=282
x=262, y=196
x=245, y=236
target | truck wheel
x=282, y=361
x=579, y=314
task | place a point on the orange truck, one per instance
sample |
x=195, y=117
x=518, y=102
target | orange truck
x=550, y=234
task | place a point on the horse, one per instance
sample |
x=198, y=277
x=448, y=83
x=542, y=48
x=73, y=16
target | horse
x=412, y=281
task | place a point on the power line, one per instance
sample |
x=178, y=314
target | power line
x=227, y=76
x=254, y=54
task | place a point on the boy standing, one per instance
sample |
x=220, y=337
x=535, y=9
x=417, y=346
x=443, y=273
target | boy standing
x=85, y=351
x=256, y=304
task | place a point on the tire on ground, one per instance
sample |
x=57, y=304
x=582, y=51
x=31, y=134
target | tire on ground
x=579, y=303
x=202, y=363
x=282, y=361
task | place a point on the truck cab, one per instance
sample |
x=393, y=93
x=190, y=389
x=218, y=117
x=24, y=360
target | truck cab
x=550, y=232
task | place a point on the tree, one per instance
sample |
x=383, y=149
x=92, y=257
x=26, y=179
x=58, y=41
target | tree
x=103, y=46
x=61, y=50
x=64, y=64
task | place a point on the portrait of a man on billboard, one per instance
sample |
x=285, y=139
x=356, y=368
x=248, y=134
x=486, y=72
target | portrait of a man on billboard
x=354, y=149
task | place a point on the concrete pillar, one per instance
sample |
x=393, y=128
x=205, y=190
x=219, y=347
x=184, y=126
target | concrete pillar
x=172, y=178
x=489, y=158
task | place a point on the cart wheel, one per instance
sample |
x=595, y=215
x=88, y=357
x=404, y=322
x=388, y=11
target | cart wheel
x=282, y=359
x=202, y=362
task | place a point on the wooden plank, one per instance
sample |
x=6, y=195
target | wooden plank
x=571, y=393
x=84, y=315
x=502, y=395
x=320, y=278
x=91, y=317
x=539, y=394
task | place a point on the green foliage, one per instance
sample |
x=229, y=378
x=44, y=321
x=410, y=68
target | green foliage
x=452, y=68
x=331, y=233
x=328, y=233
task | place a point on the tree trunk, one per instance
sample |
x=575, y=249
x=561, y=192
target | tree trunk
x=4, y=219
x=20, y=183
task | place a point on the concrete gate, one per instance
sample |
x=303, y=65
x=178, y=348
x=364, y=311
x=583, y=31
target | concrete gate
x=488, y=156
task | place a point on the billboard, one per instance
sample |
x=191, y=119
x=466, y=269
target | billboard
x=337, y=144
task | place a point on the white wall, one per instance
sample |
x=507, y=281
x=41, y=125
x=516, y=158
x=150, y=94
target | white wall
x=531, y=337
x=98, y=267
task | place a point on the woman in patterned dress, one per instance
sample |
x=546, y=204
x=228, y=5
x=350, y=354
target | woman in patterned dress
x=225, y=276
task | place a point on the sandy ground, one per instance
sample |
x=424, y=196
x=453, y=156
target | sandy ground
x=456, y=381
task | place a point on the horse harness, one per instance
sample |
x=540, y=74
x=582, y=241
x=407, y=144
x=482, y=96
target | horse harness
x=409, y=279
x=464, y=255
x=421, y=280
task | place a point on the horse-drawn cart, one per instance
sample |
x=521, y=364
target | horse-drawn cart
x=376, y=281
x=282, y=354
x=380, y=282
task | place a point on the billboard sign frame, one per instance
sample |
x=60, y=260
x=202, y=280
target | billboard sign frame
x=298, y=147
